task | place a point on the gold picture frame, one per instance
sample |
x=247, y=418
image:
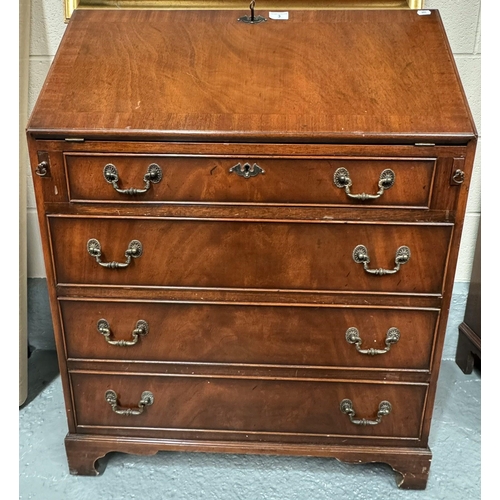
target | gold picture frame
x=71, y=5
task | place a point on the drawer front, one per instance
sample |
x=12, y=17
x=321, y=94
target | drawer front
x=273, y=180
x=249, y=405
x=249, y=334
x=250, y=254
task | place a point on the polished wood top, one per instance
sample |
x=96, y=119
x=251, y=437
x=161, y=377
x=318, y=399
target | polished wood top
x=321, y=76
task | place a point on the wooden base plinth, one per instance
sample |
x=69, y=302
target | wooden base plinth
x=412, y=465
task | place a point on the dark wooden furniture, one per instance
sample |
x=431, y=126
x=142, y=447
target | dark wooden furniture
x=218, y=280
x=468, y=352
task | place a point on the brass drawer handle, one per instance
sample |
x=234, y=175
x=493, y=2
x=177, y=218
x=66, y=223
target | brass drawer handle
x=153, y=175
x=147, y=399
x=384, y=408
x=141, y=328
x=342, y=179
x=247, y=170
x=134, y=250
x=360, y=256
x=392, y=337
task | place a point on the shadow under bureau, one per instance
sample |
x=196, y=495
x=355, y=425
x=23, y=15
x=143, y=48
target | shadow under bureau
x=250, y=231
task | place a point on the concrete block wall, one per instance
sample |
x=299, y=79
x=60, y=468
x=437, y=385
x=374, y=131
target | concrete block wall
x=463, y=24
x=462, y=21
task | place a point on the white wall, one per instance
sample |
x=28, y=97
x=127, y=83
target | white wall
x=463, y=25
x=462, y=20
x=46, y=30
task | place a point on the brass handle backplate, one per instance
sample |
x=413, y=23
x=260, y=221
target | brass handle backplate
x=342, y=180
x=147, y=399
x=360, y=256
x=246, y=171
x=384, y=408
x=153, y=175
x=141, y=329
x=133, y=251
x=392, y=337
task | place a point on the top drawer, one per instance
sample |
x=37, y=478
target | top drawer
x=231, y=179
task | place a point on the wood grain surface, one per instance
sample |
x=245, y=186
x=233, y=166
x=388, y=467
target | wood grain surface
x=264, y=406
x=251, y=254
x=250, y=333
x=144, y=73
x=292, y=180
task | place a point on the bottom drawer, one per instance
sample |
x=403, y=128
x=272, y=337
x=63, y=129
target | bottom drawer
x=248, y=405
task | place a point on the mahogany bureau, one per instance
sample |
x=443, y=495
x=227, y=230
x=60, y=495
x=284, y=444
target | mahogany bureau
x=250, y=231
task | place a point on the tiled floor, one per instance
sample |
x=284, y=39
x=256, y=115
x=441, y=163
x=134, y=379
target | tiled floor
x=455, y=441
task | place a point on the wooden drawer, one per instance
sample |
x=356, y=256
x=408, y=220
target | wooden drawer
x=250, y=254
x=248, y=405
x=248, y=334
x=286, y=180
